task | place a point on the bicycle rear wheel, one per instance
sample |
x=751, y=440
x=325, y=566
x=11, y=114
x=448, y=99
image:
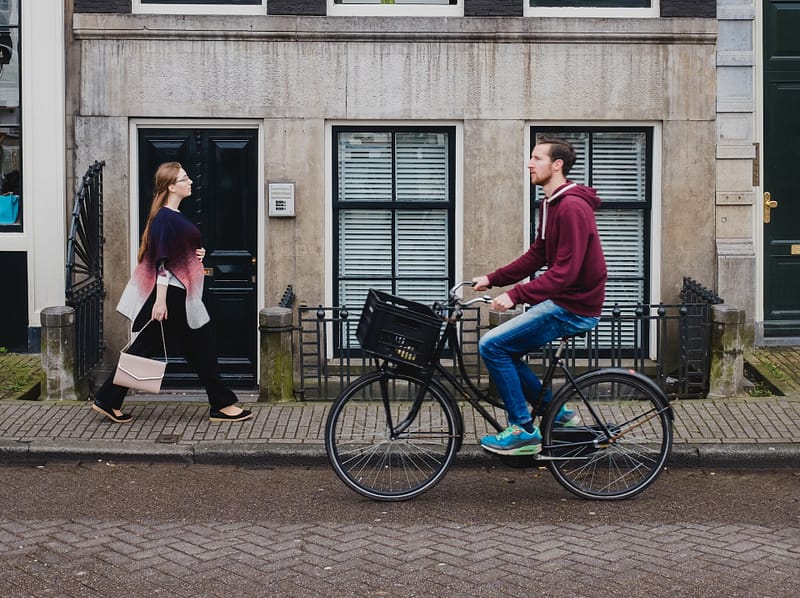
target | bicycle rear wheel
x=390, y=436
x=622, y=441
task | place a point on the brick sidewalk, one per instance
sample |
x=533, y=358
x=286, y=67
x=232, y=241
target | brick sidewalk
x=756, y=432
x=749, y=431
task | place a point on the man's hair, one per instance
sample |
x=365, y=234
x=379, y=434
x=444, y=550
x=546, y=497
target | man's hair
x=560, y=149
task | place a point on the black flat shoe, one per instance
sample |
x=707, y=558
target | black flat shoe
x=219, y=416
x=109, y=413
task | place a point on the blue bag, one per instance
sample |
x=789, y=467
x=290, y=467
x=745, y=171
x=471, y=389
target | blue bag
x=9, y=208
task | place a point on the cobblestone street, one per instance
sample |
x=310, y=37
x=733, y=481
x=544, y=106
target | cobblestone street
x=122, y=530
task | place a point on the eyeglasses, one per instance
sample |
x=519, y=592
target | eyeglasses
x=186, y=178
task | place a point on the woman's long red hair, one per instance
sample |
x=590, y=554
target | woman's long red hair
x=166, y=175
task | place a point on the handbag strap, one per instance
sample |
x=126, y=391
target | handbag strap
x=163, y=339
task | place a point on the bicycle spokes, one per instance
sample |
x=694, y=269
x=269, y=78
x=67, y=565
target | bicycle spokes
x=622, y=443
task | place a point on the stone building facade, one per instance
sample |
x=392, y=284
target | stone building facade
x=296, y=86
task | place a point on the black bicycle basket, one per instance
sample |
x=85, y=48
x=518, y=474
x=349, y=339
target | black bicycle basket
x=399, y=330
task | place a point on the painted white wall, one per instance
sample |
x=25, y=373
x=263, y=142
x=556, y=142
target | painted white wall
x=43, y=152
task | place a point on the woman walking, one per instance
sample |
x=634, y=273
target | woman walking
x=167, y=286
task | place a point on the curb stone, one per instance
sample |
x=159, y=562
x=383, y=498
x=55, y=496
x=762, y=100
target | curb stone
x=683, y=456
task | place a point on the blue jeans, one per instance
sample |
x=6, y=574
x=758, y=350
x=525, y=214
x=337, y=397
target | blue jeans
x=504, y=347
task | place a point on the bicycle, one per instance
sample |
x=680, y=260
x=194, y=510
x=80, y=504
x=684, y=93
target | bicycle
x=393, y=433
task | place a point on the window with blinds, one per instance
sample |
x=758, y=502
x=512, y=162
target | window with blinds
x=393, y=213
x=616, y=162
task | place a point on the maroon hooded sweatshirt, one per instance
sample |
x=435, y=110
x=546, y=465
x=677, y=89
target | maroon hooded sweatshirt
x=567, y=242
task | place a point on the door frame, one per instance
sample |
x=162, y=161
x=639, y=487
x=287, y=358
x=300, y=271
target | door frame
x=758, y=220
x=198, y=123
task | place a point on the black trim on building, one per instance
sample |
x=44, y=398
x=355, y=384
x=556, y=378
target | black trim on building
x=704, y=9
x=493, y=8
x=119, y=6
x=14, y=302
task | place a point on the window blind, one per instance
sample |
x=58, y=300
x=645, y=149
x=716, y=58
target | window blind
x=394, y=224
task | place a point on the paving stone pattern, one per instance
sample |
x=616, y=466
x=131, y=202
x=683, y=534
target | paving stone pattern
x=85, y=557
x=779, y=365
x=750, y=421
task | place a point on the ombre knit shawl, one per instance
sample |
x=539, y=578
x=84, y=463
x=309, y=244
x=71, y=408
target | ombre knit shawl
x=173, y=240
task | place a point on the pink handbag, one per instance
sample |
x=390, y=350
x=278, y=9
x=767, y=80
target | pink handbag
x=141, y=373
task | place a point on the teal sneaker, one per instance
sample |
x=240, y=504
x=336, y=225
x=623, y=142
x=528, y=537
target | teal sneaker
x=513, y=441
x=566, y=418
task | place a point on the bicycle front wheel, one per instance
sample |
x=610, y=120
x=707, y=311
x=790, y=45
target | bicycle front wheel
x=391, y=436
x=622, y=441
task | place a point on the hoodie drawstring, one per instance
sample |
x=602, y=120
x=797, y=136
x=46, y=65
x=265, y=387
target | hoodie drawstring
x=547, y=202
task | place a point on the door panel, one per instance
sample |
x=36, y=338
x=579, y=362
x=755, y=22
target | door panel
x=781, y=157
x=224, y=202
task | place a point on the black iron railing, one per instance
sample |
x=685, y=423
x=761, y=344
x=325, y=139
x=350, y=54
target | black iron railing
x=668, y=343
x=696, y=337
x=84, y=270
x=329, y=355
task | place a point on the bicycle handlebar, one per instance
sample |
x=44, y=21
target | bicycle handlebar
x=456, y=300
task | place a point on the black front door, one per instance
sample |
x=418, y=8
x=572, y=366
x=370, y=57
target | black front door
x=224, y=204
x=781, y=203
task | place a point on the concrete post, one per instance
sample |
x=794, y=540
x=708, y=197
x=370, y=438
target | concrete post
x=495, y=319
x=727, y=351
x=58, y=353
x=276, y=379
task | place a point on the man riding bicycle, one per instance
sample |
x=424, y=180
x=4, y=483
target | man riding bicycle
x=565, y=299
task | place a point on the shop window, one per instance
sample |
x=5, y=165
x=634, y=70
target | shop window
x=10, y=141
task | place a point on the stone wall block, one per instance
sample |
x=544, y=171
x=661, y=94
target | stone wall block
x=727, y=351
x=58, y=353
x=276, y=380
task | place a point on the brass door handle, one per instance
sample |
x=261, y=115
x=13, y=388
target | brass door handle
x=769, y=203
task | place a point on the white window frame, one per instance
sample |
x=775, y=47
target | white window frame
x=395, y=10
x=612, y=13
x=458, y=198
x=138, y=7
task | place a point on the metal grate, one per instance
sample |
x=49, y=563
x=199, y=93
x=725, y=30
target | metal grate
x=84, y=290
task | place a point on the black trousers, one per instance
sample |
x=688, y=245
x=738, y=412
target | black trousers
x=198, y=346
